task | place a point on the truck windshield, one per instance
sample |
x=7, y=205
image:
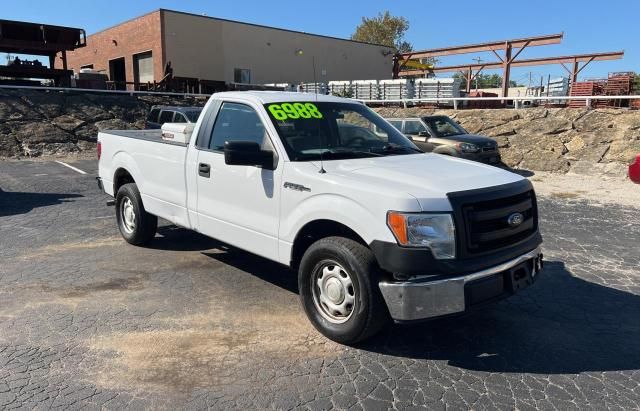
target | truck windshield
x=335, y=130
x=444, y=126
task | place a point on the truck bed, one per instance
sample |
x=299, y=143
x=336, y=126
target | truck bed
x=157, y=166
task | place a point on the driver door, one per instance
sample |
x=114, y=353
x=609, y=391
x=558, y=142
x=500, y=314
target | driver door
x=239, y=204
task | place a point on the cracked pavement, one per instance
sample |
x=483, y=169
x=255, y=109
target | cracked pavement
x=88, y=321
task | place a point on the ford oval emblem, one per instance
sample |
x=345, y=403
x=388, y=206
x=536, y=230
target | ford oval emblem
x=515, y=219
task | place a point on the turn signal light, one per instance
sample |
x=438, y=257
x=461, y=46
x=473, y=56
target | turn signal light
x=398, y=226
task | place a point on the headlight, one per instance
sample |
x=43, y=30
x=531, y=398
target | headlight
x=434, y=231
x=468, y=147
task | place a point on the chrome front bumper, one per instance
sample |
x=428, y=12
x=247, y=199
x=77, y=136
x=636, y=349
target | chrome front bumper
x=418, y=300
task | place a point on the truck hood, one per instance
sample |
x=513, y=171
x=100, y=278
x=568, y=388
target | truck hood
x=427, y=177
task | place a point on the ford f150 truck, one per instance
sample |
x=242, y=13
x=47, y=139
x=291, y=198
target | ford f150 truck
x=376, y=229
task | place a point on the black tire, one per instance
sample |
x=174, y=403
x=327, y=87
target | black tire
x=145, y=226
x=369, y=313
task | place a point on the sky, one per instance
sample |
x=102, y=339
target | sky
x=588, y=25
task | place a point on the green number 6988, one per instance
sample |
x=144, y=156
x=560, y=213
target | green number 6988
x=294, y=111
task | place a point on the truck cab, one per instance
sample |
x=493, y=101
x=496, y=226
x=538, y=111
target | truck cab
x=376, y=229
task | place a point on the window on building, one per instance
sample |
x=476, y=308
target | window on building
x=143, y=67
x=237, y=122
x=242, y=76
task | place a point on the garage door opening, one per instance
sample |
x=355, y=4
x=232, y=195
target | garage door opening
x=118, y=73
x=143, y=68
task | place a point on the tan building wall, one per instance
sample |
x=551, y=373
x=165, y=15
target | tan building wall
x=124, y=40
x=211, y=49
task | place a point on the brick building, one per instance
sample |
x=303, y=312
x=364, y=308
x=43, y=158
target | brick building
x=212, y=49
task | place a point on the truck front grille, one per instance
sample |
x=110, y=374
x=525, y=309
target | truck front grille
x=482, y=218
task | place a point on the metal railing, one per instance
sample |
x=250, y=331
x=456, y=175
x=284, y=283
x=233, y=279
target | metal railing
x=90, y=90
x=404, y=102
x=516, y=100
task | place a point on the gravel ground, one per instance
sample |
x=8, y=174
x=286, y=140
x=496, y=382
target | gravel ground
x=87, y=321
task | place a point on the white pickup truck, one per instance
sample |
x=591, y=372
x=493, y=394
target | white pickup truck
x=376, y=229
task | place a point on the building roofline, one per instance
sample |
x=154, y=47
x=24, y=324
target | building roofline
x=124, y=22
x=161, y=10
x=31, y=23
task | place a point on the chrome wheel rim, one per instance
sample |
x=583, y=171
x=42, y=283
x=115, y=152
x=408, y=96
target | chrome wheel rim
x=333, y=292
x=128, y=215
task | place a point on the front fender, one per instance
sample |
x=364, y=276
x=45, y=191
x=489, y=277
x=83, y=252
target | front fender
x=334, y=207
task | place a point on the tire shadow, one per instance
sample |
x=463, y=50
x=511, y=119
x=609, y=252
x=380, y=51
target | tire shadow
x=560, y=325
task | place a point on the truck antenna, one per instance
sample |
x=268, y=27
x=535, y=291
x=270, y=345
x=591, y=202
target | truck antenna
x=322, y=170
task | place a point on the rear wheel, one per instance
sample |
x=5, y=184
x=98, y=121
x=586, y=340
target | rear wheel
x=136, y=225
x=338, y=282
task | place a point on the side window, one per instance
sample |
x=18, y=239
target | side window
x=413, y=127
x=166, y=117
x=397, y=124
x=153, y=115
x=179, y=118
x=237, y=122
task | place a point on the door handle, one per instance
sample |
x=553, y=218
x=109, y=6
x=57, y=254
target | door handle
x=204, y=170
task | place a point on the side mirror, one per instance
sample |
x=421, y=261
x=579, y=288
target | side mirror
x=247, y=153
x=424, y=134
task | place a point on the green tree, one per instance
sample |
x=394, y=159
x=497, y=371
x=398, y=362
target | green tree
x=486, y=81
x=384, y=29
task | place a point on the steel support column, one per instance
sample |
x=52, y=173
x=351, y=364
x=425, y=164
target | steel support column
x=506, y=66
x=64, y=59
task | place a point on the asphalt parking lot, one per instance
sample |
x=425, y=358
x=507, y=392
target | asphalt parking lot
x=87, y=321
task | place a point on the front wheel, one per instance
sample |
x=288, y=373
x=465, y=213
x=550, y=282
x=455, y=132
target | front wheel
x=338, y=283
x=136, y=225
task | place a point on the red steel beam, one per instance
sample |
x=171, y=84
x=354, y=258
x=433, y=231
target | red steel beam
x=614, y=55
x=490, y=46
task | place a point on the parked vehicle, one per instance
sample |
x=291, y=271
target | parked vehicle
x=159, y=115
x=442, y=135
x=376, y=229
x=634, y=170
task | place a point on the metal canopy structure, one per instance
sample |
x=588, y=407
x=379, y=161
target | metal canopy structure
x=38, y=40
x=511, y=49
x=470, y=71
x=491, y=46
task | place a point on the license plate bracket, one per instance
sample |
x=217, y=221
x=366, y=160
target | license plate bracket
x=522, y=275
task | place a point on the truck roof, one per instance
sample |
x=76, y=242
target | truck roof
x=266, y=97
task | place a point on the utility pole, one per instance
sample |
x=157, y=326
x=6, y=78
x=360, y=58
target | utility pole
x=478, y=60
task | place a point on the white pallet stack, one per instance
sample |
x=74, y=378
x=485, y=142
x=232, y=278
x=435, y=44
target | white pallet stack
x=366, y=90
x=396, y=89
x=340, y=88
x=315, y=88
x=440, y=88
x=283, y=86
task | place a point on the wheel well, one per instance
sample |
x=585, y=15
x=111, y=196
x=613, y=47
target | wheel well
x=121, y=178
x=316, y=230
